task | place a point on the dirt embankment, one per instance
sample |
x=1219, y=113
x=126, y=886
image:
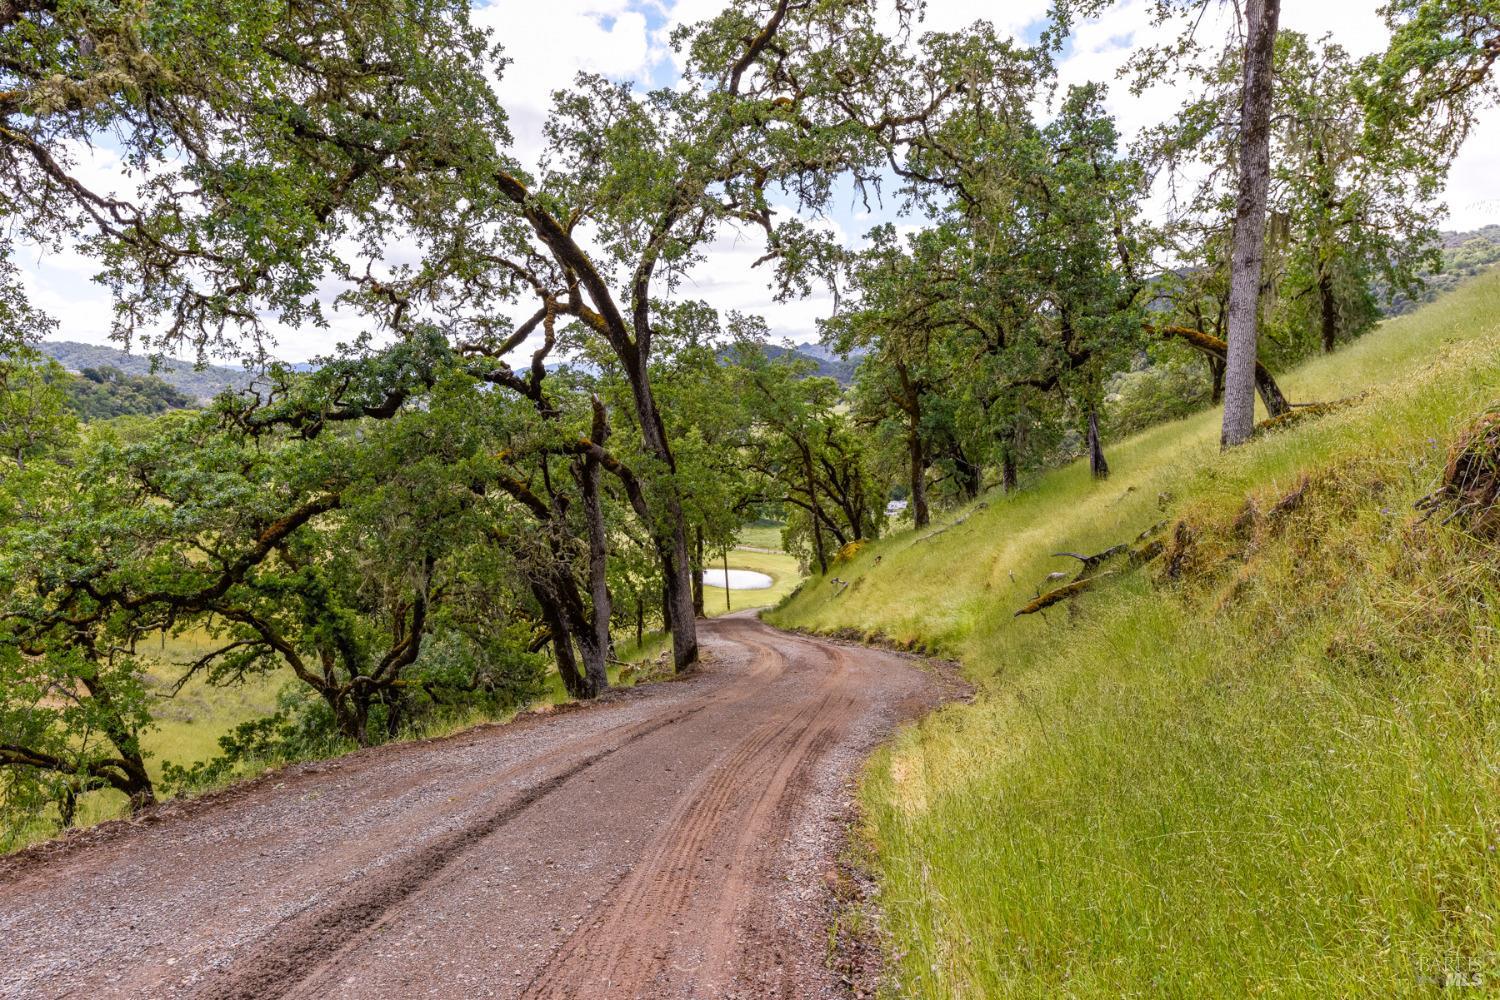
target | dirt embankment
x=676, y=843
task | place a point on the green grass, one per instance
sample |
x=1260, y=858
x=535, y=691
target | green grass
x=783, y=570
x=188, y=724
x=1277, y=775
x=761, y=536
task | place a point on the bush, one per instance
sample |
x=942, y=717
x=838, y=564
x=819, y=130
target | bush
x=1173, y=387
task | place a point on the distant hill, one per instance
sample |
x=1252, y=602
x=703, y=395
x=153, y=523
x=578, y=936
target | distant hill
x=1464, y=255
x=830, y=365
x=106, y=392
x=201, y=384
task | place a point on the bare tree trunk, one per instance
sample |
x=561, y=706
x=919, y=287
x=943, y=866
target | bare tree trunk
x=678, y=571
x=727, y=606
x=1010, y=450
x=1248, y=244
x=596, y=669
x=1330, y=313
x=1216, y=376
x=1098, y=467
x=920, y=515
x=137, y=782
x=819, y=551
x=562, y=641
x=672, y=544
x=969, y=474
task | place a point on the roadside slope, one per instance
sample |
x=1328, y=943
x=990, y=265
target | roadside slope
x=673, y=842
x=1270, y=769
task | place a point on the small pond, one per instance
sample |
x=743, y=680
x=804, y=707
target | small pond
x=739, y=579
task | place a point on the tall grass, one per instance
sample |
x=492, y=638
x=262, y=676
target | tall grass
x=1275, y=775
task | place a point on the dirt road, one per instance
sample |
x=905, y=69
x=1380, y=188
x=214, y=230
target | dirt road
x=674, y=842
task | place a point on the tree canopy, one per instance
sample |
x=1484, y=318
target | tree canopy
x=539, y=437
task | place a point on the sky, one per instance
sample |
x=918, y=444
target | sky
x=550, y=41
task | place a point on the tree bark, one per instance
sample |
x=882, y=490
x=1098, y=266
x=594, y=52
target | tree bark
x=698, y=572
x=1248, y=243
x=727, y=606
x=1216, y=376
x=911, y=402
x=1328, y=307
x=596, y=669
x=820, y=552
x=1098, y=467
x=1010, y=451
x=1270, y=393
x=920, y=515
x=676, y=559
x=562, y=641
x=969, y=474
x=136, y=782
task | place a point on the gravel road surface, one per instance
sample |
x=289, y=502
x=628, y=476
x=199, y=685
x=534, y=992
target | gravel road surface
x=673, y=841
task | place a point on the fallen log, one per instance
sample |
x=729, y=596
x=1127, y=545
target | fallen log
x=1139, y=555
x=1270, y=393
x=1094, y=561
x=1301, y=411
x=1062, y=593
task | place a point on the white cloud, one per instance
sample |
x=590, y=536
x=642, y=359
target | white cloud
x=1101, y=46
x=550, y=41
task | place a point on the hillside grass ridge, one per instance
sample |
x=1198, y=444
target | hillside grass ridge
x=1264, y=763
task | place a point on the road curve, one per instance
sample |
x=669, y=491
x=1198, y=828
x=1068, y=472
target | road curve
x=673, y=842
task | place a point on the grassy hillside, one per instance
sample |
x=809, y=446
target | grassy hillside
x=1266, y=764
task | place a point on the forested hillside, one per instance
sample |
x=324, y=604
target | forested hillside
x=102, y=393
x=200, y=384
x=1464, y=255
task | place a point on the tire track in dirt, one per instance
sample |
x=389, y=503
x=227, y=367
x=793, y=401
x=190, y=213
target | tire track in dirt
x=618, y=952
x=672, y=843
x=293, y=952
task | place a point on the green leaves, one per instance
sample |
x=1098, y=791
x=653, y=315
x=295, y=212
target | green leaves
x=1424, y=90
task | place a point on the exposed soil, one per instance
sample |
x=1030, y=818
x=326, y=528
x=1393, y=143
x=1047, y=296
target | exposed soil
x=677, y=842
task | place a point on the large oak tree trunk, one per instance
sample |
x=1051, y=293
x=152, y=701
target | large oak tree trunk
x=969, y=475
x=1010, y=462
x=1328, y=307
x=562, y=641
x=820, y=551
x=1248, y=244
x=672, y=537
x=820, y=548
x=1098, y=467
x=920, y=515
x=133, y=778
x=596, y=669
